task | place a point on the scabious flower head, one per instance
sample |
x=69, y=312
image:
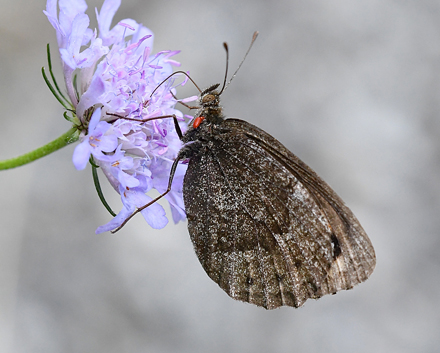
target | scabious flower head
x=116, y=74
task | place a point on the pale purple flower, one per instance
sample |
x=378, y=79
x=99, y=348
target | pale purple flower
x=117, y=73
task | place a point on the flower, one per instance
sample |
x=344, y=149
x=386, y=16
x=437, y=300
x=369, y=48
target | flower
x=112, y=81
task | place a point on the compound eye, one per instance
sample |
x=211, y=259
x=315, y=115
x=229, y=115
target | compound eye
x=208, y=98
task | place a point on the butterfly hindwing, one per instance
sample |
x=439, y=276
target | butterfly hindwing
x=265, y=227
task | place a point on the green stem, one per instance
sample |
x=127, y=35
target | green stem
x=62, y=141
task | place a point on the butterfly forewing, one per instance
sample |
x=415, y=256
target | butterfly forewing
x=265, y=227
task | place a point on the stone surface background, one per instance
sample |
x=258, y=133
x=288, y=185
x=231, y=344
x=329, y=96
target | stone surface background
x=351, y=87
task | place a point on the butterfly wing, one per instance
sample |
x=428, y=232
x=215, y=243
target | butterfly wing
x=265, y=227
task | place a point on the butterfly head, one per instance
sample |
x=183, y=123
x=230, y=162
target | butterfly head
x=210, y=97
x=210, y=105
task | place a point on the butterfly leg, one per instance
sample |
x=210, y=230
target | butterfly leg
x=170, y=182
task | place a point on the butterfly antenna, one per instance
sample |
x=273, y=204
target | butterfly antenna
x=175, y=73
x=254, y=37
x=225, y=45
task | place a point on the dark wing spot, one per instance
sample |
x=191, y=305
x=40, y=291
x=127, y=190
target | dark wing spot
x=279, y=277
x=335, y=246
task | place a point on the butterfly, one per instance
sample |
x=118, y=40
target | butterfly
x=265, y=227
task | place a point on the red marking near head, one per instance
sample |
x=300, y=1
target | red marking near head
x=198, y=121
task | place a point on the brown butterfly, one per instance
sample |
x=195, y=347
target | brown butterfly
x=265, y=227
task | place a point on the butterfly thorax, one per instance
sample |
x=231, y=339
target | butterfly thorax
x=206, y=125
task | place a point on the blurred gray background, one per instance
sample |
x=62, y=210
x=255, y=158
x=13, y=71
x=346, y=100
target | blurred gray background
x=352, y=87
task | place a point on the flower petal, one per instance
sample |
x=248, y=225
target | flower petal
x=155, y=215
x=91, y=96
x=81, y=155
x=105, y=16
x=94, y=120
x=108, y=143
x=115, y=222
